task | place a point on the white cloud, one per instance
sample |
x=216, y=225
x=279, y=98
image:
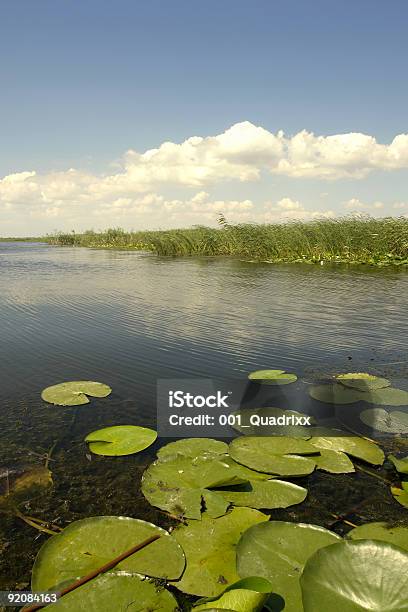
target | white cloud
x=356, y=205
x=141, y=182
x=287, y=209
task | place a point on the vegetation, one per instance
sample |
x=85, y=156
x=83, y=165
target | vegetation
x=354, y=239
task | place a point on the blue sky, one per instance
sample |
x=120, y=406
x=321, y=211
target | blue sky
x=82, y=83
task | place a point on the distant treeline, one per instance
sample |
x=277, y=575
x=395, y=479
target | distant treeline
x=347, y=239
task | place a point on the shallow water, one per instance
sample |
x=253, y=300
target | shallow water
x=128, y=318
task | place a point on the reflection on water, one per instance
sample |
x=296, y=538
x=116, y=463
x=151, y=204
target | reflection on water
x=128, y=318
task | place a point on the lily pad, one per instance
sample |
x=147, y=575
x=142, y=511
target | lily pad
x=338, y=440
x=388, y=397
x=180, y=484
x=267, y=494
x=356, y=577
x=278, y=550
x=334, y=462
x=109, y=592
x=335, y=394
x=269, y=421
x=246, y=595
x=272, y=377
x=389, y=422
x=120, y=440
x=87, y=544
x=362, y=381
x=209, y=546
x=74, y=393
x=275, y=455
x=192, y=447
x=381, y=531
x=401, y=495
x=401, y=464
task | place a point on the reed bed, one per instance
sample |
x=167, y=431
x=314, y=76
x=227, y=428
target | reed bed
x=348, y=239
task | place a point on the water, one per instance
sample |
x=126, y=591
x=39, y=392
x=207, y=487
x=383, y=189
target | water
x=127, y=318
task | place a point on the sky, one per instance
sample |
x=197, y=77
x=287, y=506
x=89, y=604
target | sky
x=153, y=114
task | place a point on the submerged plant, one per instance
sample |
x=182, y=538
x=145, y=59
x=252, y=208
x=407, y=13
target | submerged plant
x=388, y=422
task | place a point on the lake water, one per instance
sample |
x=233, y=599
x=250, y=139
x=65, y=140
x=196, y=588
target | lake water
x=128, y=318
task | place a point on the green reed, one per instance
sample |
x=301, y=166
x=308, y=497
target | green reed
x=346, y=239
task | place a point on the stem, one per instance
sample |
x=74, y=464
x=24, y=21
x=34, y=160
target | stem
x=359, y=467
x=30, y=522
x=98, y=571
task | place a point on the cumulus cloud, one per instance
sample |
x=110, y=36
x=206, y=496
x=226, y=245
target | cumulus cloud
x=357, y=205
x=243, y=153
x=287, y=209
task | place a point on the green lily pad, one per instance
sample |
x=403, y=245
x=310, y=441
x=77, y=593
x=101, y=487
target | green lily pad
x=335, y=394
x=110, y=592
x=120, y=440
x=275, y=455
x=400, y=495
x=267, y=494
x=269, y=421
x=401, y=464
x=338, y=440
x=246, y=595
x=381, y=531
x=192, y=447
x=74, y=393
x=334, y=462
x=356, y=577
x=362, y=381
x=381, y=420
x=180, y=484
x=209, y=546
x=388, y=397
x=87, y=544
x=278, y=550
x=272, y=377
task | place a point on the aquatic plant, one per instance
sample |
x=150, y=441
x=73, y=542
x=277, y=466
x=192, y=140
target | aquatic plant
x=210, y=549
x=74, y=393
x=353, y=239
x=246, y=595
x=355, y=387
x=120, y=440
x=353, y=576
x=381, y=531
x=272, y=377
x=381, y=420
x=278, y=550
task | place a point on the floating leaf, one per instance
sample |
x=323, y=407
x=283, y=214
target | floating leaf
x=179, y=484
x=400, y=495
x=338, y=440
x=272, y=377
x=269, y=421
x=74, y=393
x=120, y=440
x=209, y=546
x=274, y=455
x=267, y=494
x=192, y=447
x=334, y=462
x=246, y=595
x=401, y=464
x=362, y=381
x=381, y=420
x=87, y=544
x=335, y=394
x=388, y=397
x=381, y=531
x=110, y=592
x=355, y=577
x=278, y=550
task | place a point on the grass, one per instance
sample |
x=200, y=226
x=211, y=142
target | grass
x=348, y=239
